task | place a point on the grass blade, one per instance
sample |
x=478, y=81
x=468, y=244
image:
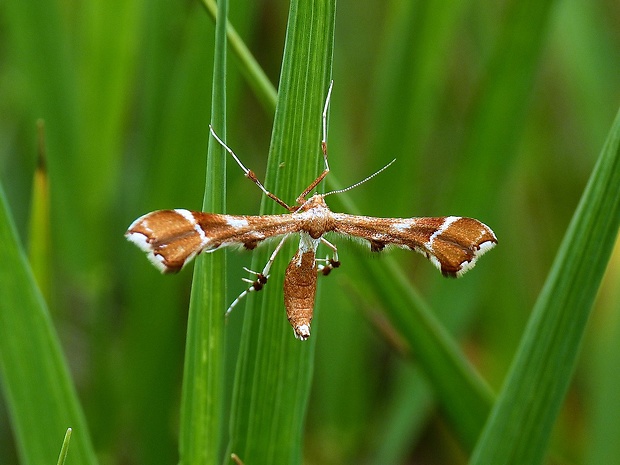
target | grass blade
x=274, y=369
x=35, y=378
x=203, y=381
x=65, y=447
x=249, y=67
x=520, y=423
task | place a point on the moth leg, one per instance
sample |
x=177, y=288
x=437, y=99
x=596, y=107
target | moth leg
x=330, y=263
x=261, y=277
x=256, y=285
x=249, y=173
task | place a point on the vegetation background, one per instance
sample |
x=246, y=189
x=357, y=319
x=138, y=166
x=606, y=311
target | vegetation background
x=492, y=110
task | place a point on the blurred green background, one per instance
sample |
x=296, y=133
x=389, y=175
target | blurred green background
x=492, y=110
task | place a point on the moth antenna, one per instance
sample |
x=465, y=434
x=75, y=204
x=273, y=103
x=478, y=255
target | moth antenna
x=340, y=191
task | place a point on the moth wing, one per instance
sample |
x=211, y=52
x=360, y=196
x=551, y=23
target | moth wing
x=172, y=238
x=452, y=243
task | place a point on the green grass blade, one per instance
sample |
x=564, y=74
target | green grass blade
x=249, y=67
x=203, y=381
x=521, y=421
x=64, y=450
x=35, y=378
x=274, y=369
x=174, y=109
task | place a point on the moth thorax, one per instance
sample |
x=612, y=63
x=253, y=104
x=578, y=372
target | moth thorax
x=299, y=292
x=315, y=217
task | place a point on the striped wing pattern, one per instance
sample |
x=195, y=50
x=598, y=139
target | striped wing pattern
x=452, y=243
x=172, y=238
